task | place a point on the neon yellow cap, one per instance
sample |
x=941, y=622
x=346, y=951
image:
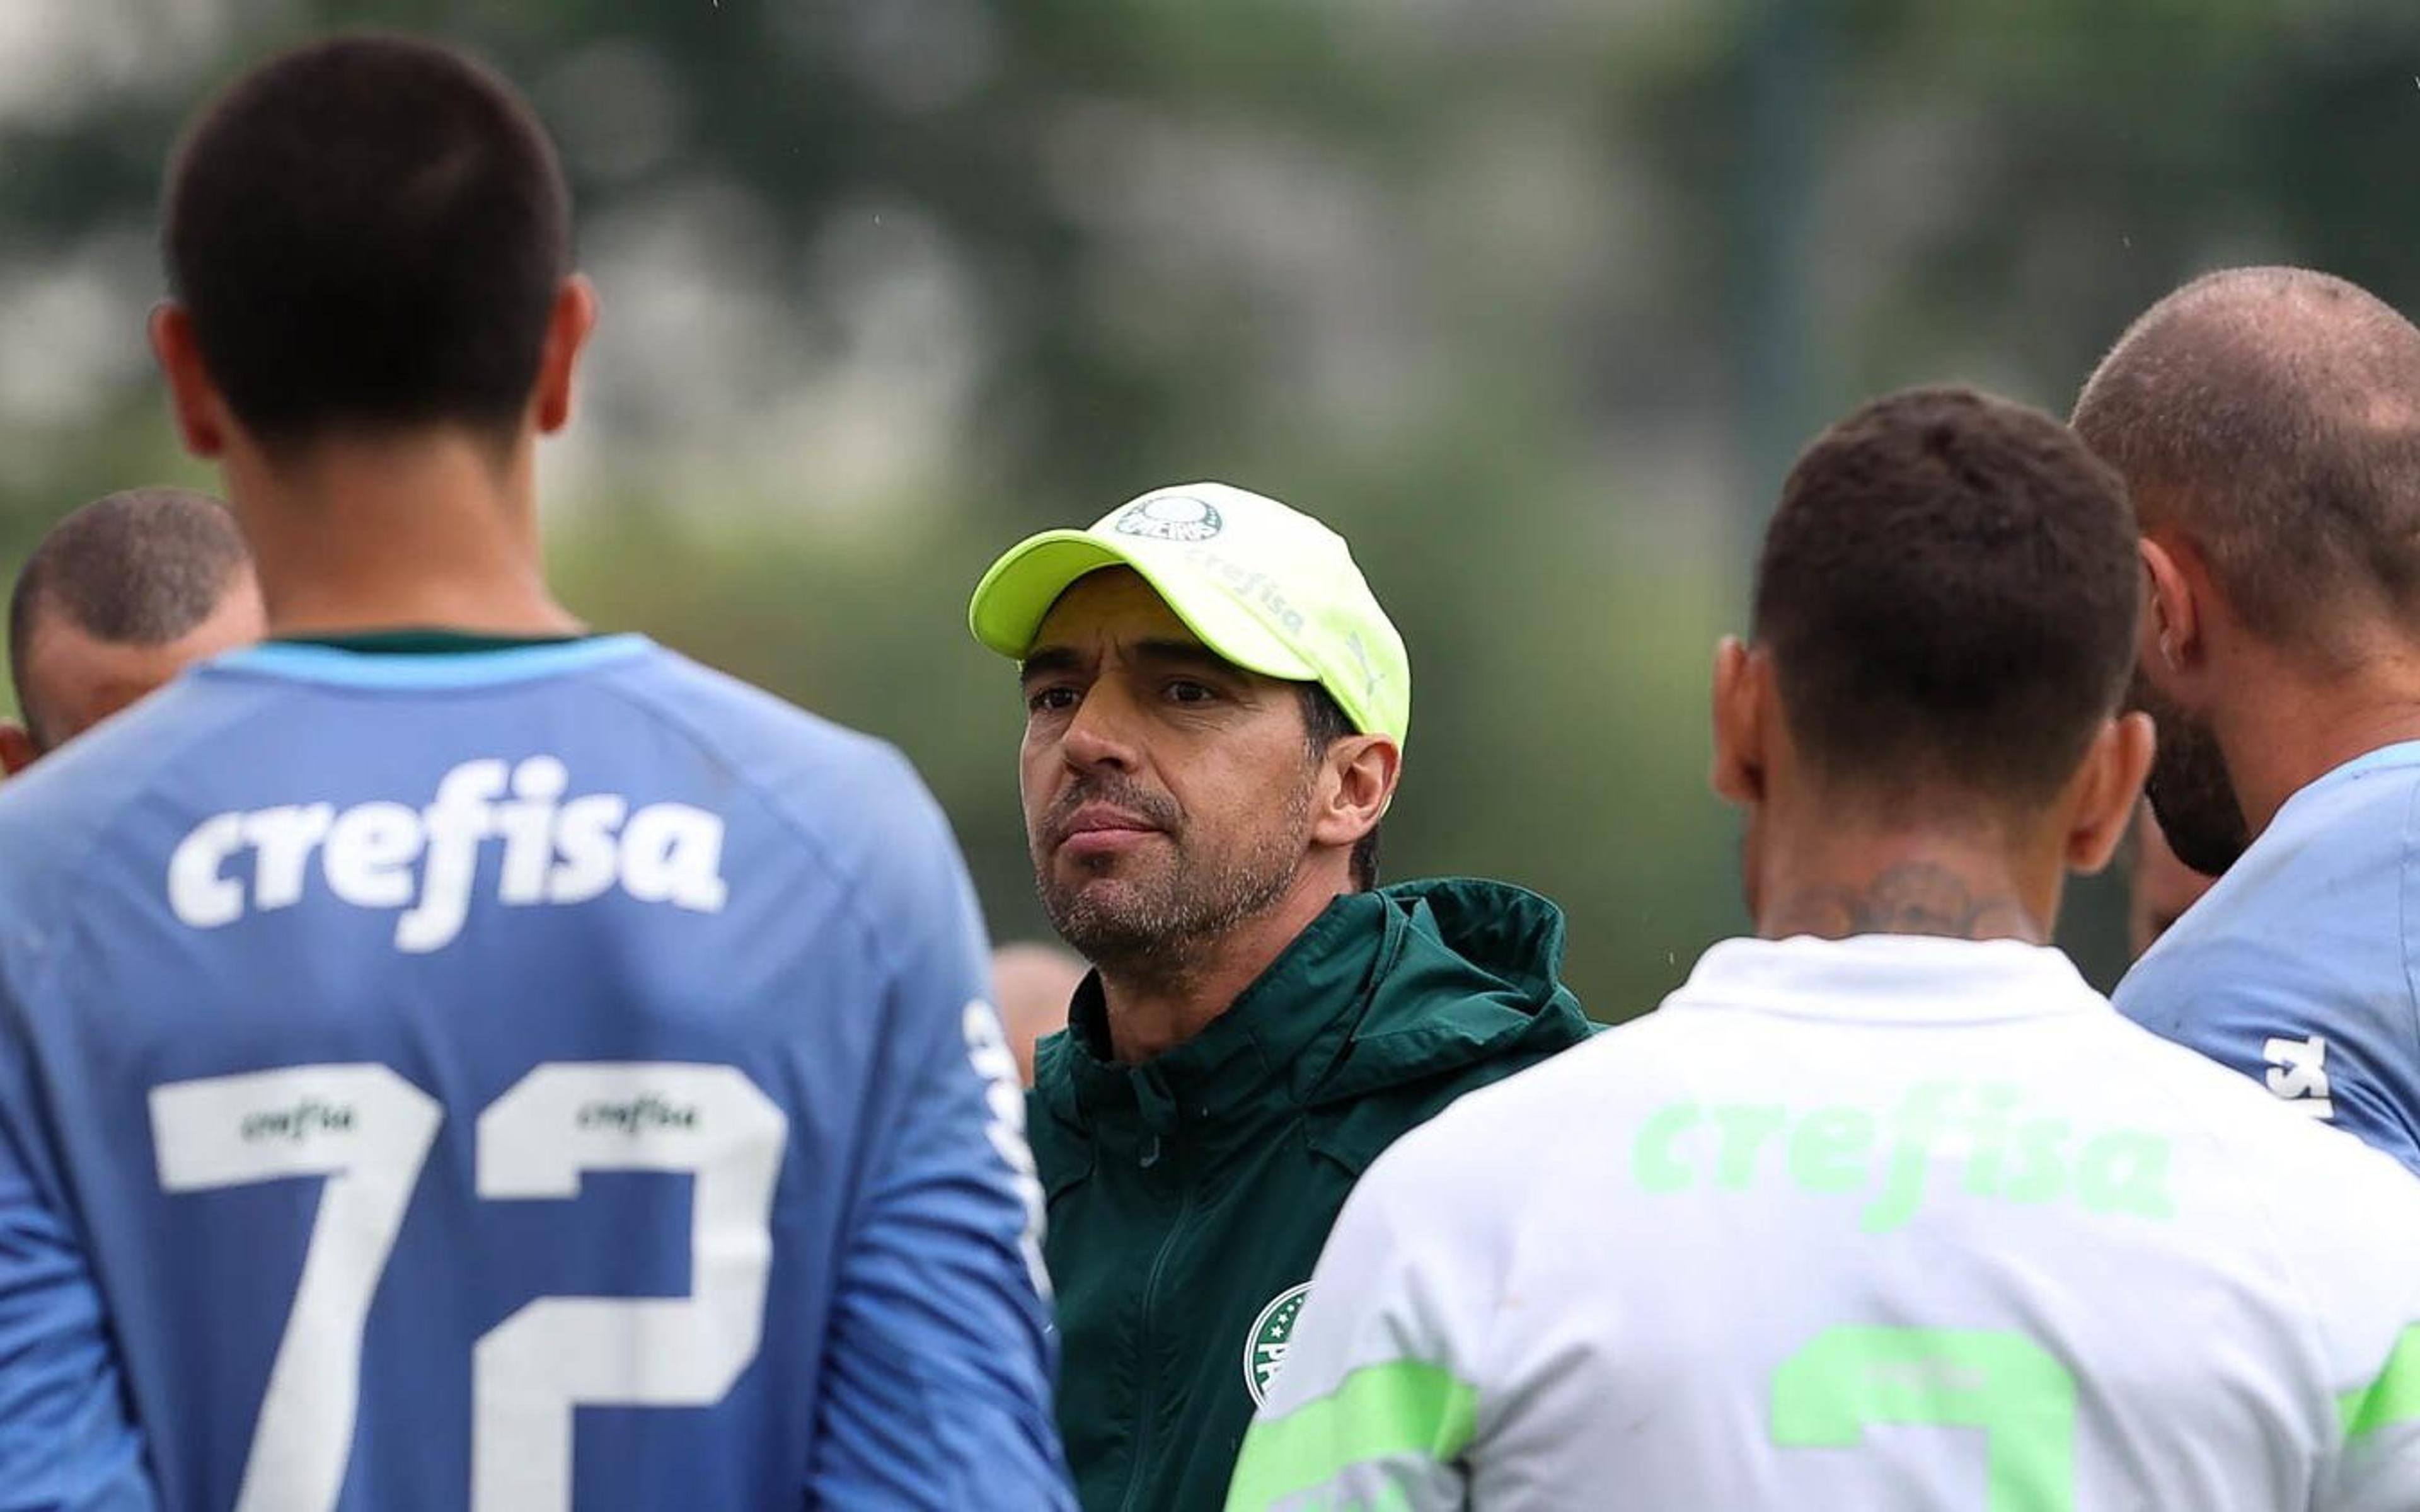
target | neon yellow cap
x=1270, y=589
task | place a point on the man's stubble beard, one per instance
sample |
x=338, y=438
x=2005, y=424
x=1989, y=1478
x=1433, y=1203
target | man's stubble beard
x=1156, y=927
x=2190, y=791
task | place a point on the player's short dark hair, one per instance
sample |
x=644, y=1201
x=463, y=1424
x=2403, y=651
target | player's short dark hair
x=1325, y=722
x=1948, y=593
x=369, y=234
x=144, y=567
x=2274, y=414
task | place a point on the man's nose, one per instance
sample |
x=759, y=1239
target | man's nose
x=1102, y=734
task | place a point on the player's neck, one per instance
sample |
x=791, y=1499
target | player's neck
x=1838, y=881
x=2298, y=729
x=1156, y=1004
x=432, y=531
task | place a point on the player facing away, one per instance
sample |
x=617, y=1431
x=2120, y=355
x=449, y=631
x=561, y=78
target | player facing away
x=2267, y=421
x=1884, y=1208
x=452, y=1060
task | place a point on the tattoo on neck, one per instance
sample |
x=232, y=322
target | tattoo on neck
x=1912, y=898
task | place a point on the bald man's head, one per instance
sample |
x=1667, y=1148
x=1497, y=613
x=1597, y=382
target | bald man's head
x=119, y=597
x=2272, y=416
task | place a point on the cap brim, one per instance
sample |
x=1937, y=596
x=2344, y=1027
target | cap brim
x=1016, y=595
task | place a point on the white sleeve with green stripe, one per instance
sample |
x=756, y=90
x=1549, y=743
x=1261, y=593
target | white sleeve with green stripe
x=1376, y=1400
x=2379, y=1468
x=1517, y=1308
x=2368, y=1287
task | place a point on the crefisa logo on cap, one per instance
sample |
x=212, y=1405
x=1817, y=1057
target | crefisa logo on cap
x=1169, y=517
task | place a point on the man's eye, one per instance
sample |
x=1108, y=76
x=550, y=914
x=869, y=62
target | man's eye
x=1182, y=692
x=1046, y=699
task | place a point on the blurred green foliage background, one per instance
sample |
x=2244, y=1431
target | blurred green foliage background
x=1532, y=298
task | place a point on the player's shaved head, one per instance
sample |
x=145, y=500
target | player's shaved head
x=1949, y=593
x=2272, y=416
x=368, y=234
x=146, y=570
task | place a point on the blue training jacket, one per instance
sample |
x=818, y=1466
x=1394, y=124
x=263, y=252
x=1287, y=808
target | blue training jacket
x=2301, y=968
x=517, y=1080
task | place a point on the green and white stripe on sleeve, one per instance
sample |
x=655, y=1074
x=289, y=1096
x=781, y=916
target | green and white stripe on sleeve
x=1386, y=1437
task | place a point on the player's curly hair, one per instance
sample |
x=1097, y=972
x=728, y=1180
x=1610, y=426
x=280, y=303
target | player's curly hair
x=1949, y=591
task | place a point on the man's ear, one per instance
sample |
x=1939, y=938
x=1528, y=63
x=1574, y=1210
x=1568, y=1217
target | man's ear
x=1366, y=770
x=200, y=412
x=568, y=328
x=1742, y=674
x=17, y=747
x=2174, y=645
x=2103, y=794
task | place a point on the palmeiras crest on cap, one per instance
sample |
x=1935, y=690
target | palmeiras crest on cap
x=1173, y=516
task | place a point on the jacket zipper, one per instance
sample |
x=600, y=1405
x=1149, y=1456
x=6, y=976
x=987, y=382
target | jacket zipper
x=1149, y=1397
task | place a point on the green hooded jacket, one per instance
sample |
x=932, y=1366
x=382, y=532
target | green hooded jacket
x=1190, y=1194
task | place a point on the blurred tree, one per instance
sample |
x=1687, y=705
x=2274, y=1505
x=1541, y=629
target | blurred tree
x=888, y=282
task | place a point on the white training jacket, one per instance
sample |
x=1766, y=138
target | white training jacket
x=1882, y=1223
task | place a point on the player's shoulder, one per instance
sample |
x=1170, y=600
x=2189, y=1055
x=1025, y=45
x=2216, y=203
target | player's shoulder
x=760, y=736
x=2354, y=827
x=2282, y=1155
x=2346, y=1217
x=2312, y=911
x=821, y=774
x=749, y=728
x=52, y=813
x=1618, y=1067
x=2276, y=1195
x=2163, y=1073
x=850, y=795
x=1480, y=1149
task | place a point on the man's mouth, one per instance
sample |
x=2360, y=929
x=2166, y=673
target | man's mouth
x=1103, y=830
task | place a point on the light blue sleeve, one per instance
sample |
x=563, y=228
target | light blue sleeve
x=2297, y=969
x=68, y=1443
x=2327, y=1036
x=941, y=1355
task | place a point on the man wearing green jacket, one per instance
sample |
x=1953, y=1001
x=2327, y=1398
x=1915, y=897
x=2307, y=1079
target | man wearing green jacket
x=1215, y=713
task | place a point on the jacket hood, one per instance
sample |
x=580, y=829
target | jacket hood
x=1412, y=983
x=1468, y=971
